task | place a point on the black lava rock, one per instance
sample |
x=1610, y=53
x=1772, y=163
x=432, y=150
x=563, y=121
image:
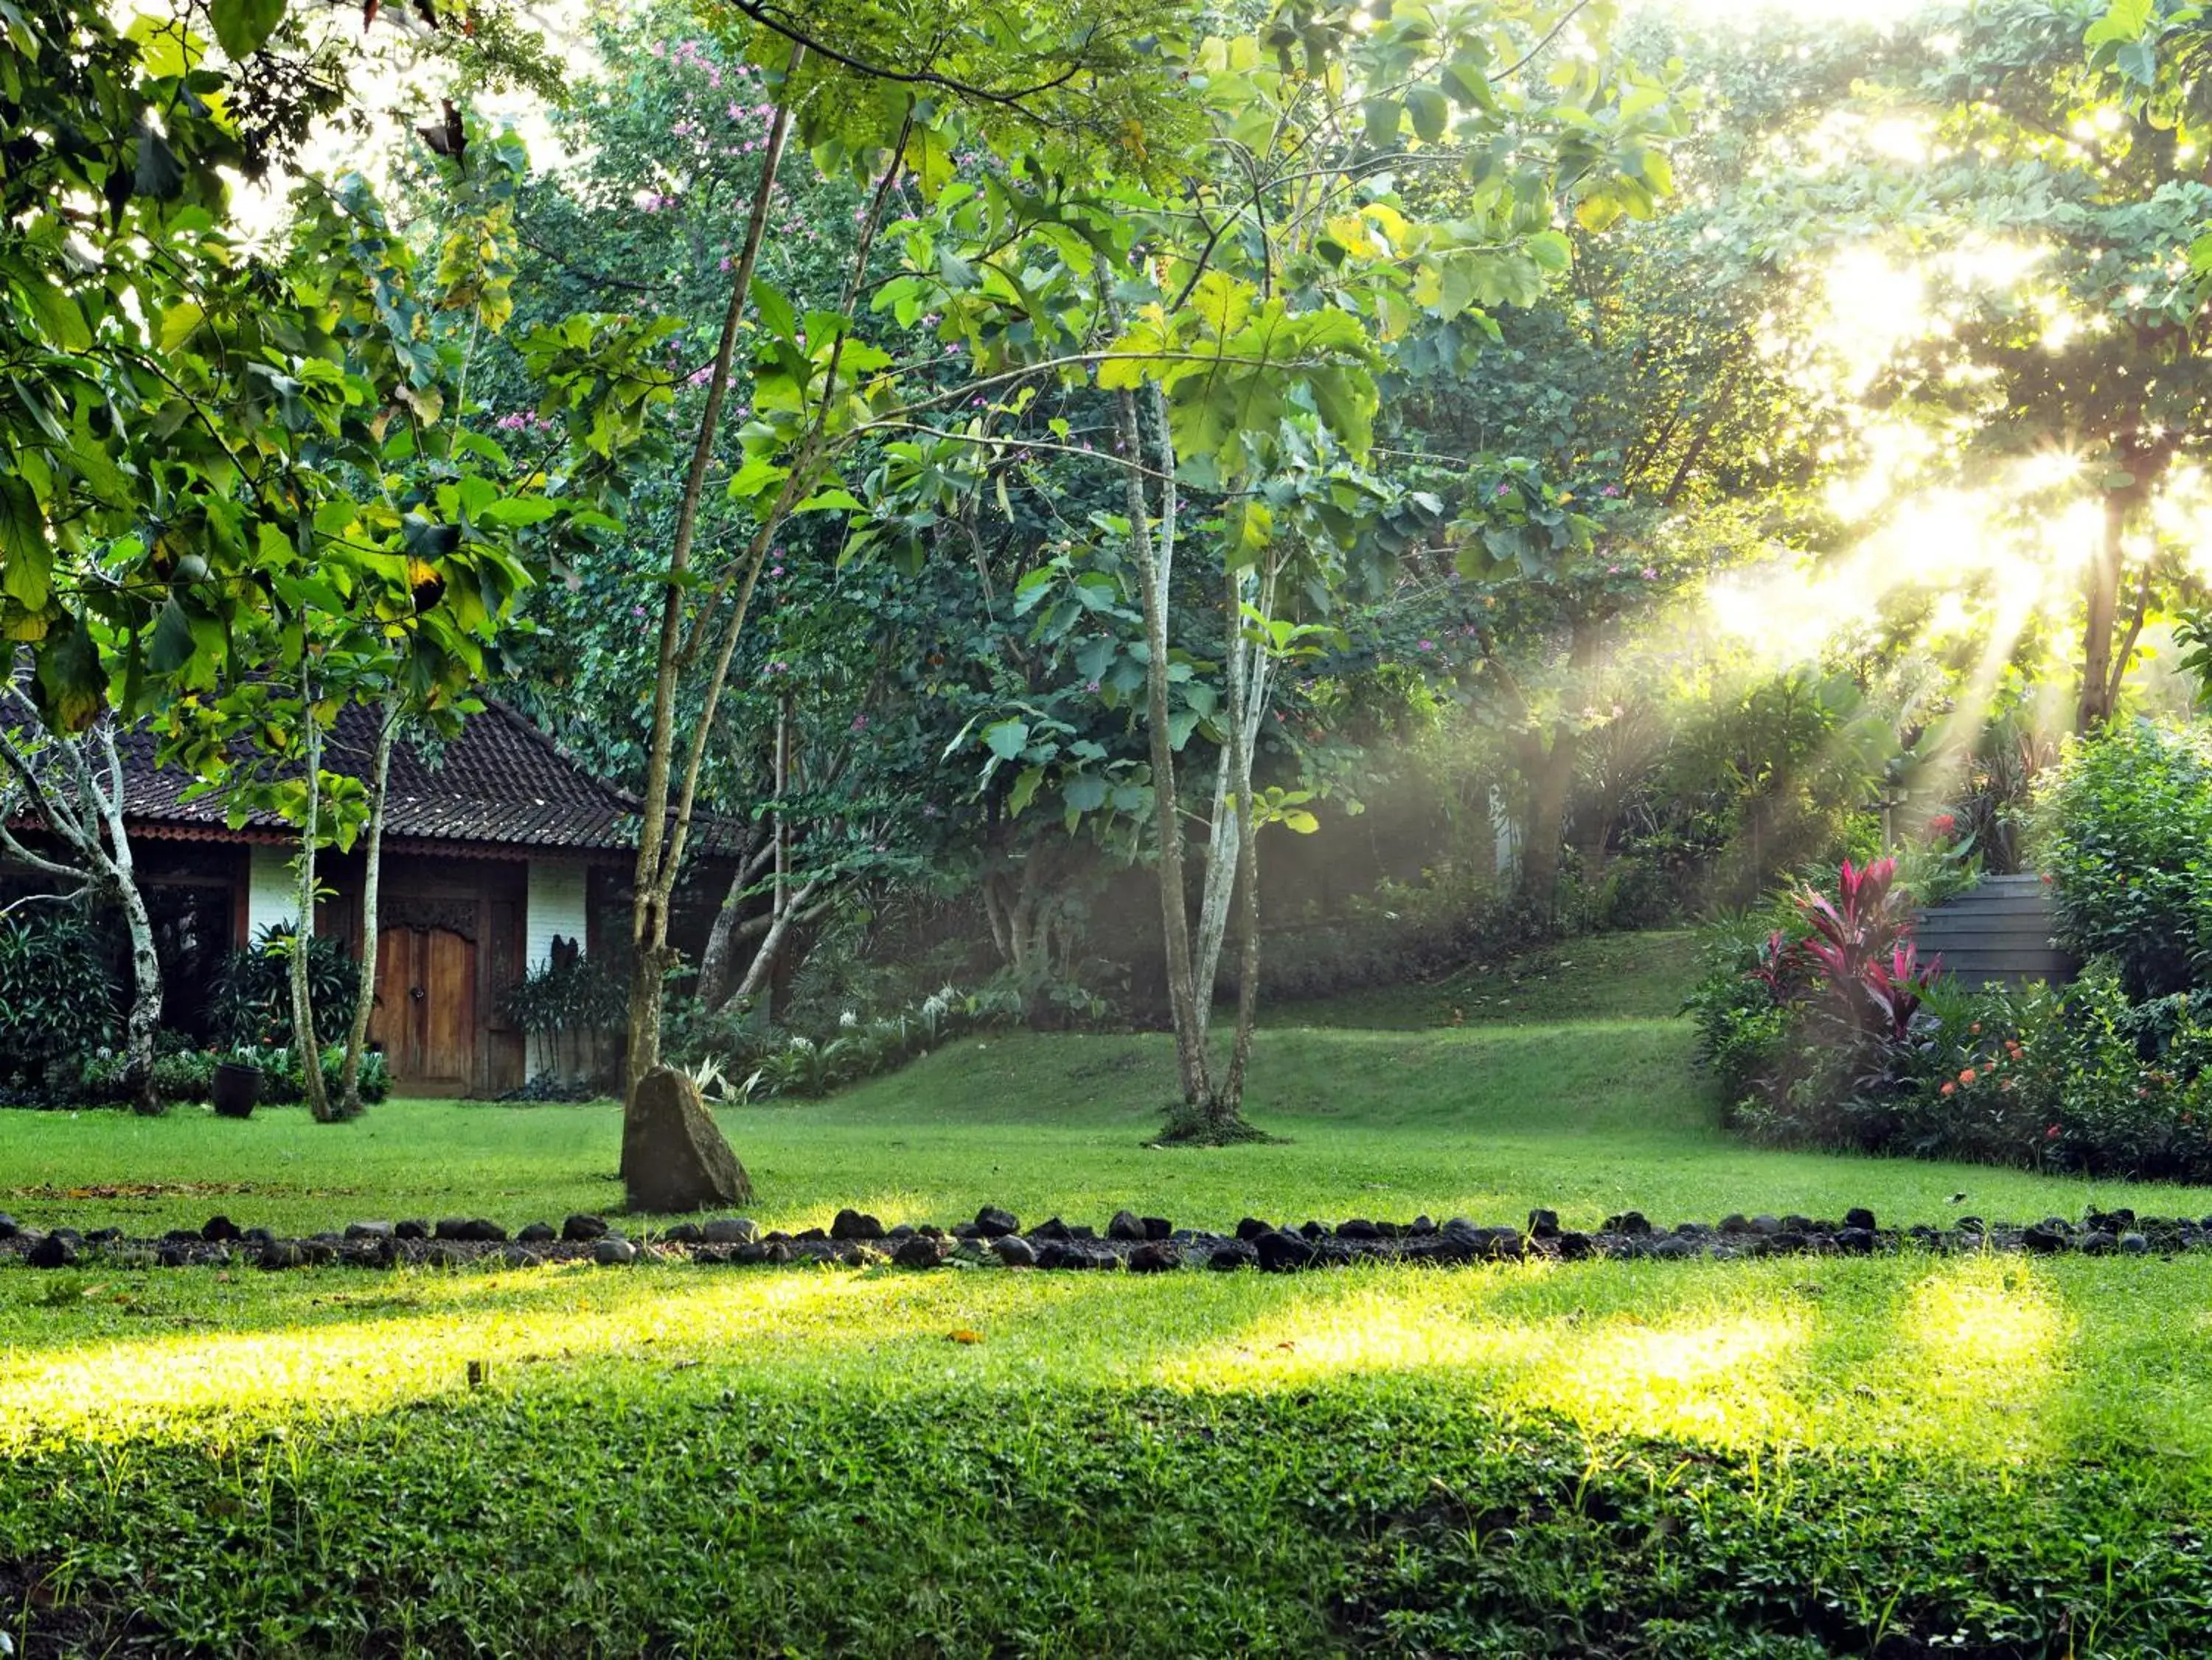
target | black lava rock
x=369, y=1231
x=1573, y=1247
x=993, y=1223
x=2134, y=1245
x=411, y=1230
x=1735, y=1222
x=2100, y=1243
x=1313, y=1230
x=1125, y=1227
x=731, y=1231
x=1859, y=1217
x=1357, y=1227
x=1054, y=1230
x=684, y=1233
x=1014, y=1251
x=1544, y=1224
x=1232, y=1254
x=1158, y=1227
x=1154, y=1257
x=8, y=1227
x=1252, y=1227
x=1282, y=1252
x=854, y=1225
x=52, y=1251
x=582, y=1229
x=283, y=1253
x=1633, y=1223
x=538, y=1234
x=218, y=1229
x=1856, y=1241
x=611, y=1253
x=2043, y=1240
x=920, y=1253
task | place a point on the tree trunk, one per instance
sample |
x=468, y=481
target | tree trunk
x=91, y=828
x=659, y=844
x=1225, y=1110
x=1155, y=570
x=364, y=1003
x=144, y=1019
x=303, y=1008
x=2099, y=687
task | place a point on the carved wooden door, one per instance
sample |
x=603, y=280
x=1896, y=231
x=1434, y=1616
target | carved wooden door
x=426, y=1009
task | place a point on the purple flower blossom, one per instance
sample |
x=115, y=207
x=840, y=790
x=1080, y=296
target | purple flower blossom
x=1428, y=646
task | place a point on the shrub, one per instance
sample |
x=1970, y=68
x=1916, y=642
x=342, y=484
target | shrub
x=58, y=995
x=252, y=1002
x=2124, y=833
x=282, y=1083
x=1817, y=1029
x=566, y=1008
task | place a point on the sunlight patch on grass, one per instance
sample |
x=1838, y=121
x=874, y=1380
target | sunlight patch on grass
x=118, y=1390
x=1711, y=1375
x=1986, y=1337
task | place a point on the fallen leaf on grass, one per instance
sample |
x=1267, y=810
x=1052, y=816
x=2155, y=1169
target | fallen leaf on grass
x=964, y=1335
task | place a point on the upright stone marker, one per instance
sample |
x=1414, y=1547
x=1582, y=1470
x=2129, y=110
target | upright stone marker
x=678, y=1159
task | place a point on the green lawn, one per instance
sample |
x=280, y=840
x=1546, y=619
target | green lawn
x=1569, y=1084
x=1793, y=1457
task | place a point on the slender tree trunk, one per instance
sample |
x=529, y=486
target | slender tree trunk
x=1226, y=1108
x=364, y=1004
x=659, y=845
x=2100, y=685
x=1155, y=571
x=144, y=1019
x=303, y=1008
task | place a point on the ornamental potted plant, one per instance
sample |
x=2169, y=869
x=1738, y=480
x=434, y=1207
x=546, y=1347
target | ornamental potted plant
x=236, y=1085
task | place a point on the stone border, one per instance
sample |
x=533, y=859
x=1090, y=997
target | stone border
x=1139, y=1245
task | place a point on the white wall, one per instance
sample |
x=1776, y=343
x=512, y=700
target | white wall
x=272, y=892
x=555, y=906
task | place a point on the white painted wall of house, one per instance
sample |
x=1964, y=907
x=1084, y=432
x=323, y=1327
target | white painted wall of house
x=271, y=892
x=555, y=906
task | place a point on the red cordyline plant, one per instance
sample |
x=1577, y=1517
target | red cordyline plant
x=1862, y=947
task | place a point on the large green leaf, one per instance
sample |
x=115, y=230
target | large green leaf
x=242, y=26
x=26, y=560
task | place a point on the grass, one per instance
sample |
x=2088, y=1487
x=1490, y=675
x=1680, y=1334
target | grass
x=1893, y=1456
x=1585, y=1101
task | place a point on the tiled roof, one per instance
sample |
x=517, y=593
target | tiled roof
x=501, y=783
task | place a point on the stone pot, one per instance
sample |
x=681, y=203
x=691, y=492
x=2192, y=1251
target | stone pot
x=237, y=1087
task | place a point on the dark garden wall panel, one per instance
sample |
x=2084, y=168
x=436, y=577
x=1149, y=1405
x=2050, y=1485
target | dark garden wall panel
x=2000, y=931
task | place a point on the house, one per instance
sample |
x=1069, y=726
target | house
x=496, y=846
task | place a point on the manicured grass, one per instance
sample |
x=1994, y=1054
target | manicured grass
x=1588, y=1102
x=1802, y=1457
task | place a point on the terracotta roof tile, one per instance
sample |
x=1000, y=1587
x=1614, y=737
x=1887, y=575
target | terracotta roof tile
x=500, y=782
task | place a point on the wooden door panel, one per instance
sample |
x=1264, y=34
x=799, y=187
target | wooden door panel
x=448, y=1006
x=393, y=1022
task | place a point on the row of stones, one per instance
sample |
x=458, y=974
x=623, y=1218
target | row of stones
x=1138, y=1244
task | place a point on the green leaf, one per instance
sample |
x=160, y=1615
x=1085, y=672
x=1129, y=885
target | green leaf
x=1382, y=117
x=242, y=26
x=172, y=640
x=1430, y=111
x=775, y=313
x=159, y=174
x=26, y=562
x=72, y=687
x=1024, y=790
x=58, y=316
x=519, y=509
x=1007, y=738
